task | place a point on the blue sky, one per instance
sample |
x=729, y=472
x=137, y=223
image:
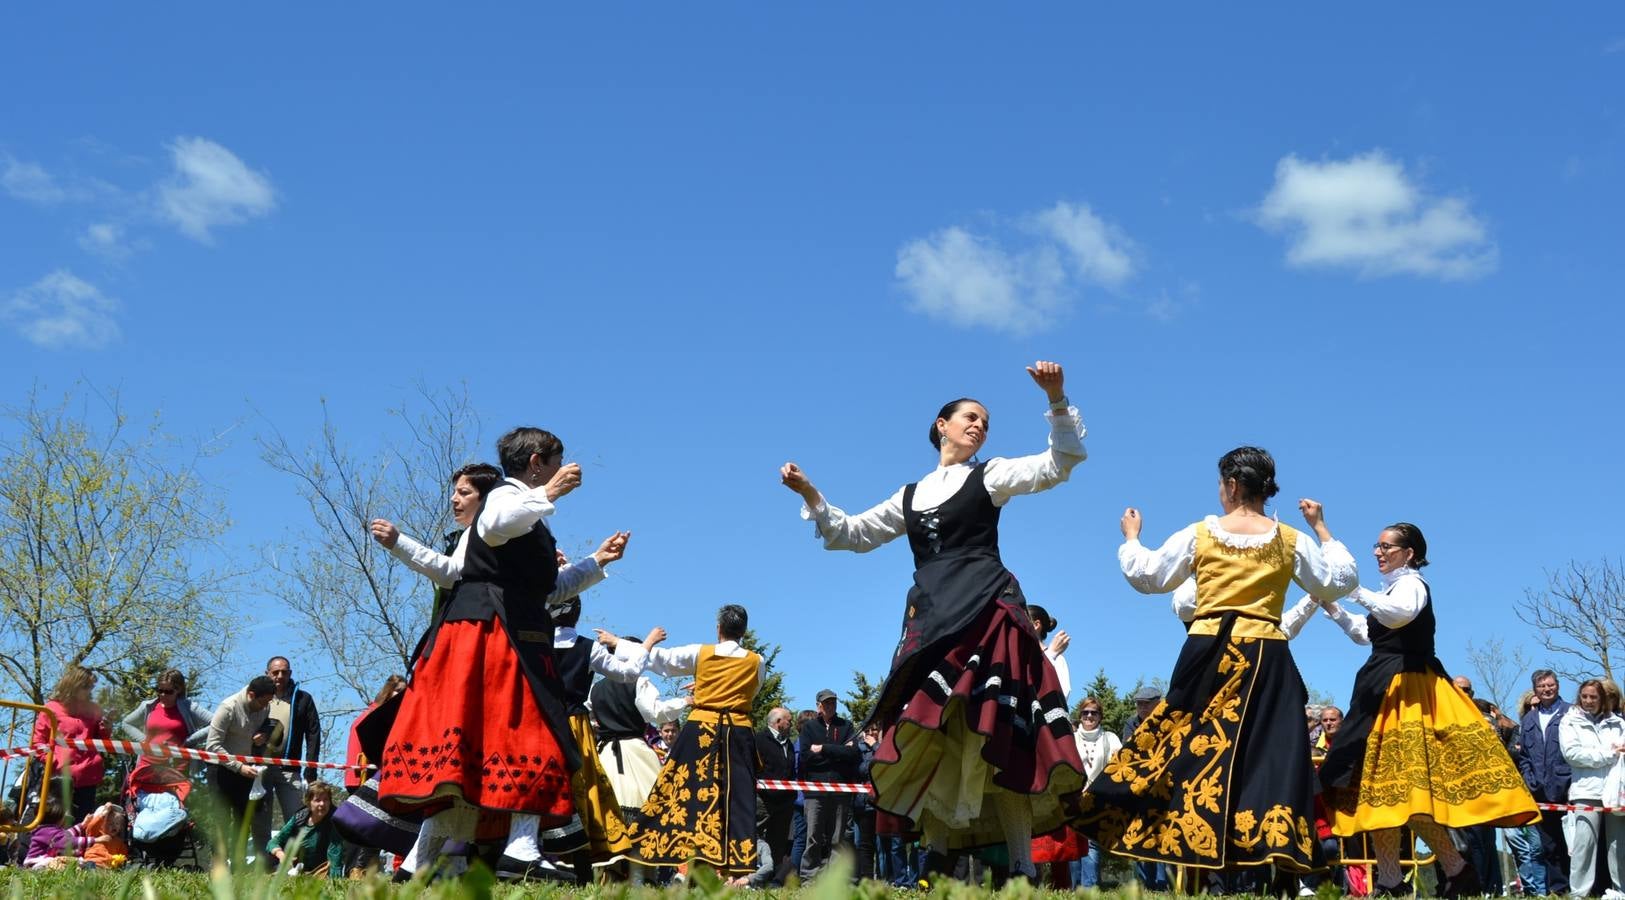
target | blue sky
x=699, y=241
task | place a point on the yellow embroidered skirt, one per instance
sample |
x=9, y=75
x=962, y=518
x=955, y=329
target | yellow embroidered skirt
x=1219, y=774
x=596, y=805
x=1430, y=753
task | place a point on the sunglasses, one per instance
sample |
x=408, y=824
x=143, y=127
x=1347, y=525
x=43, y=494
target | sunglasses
x=166, y=692
x=1089, y=714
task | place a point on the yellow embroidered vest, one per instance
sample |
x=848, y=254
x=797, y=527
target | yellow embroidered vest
x=724, y=684
x=1249, y=580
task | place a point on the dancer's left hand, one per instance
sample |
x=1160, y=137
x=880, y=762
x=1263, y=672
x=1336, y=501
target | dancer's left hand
x=1059, y=642
x=1049, y=376
x=1313, y=512
x=613, y=548
x=1131, y=524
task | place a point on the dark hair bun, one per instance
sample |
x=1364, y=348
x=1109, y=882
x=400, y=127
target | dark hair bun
x=1253, y=470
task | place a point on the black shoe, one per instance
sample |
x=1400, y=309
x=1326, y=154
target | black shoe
x=534, y=870
x=401, y=876
x=1402, y=889
x=1463, y=884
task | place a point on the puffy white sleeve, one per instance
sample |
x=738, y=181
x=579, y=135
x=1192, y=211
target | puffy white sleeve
x=614, y=666
x=1184, y=601
x=674, y=661
x=1399, y=605
x=1063, y=671
x=1161, y=570
x=1005, y=478
x=577, y=577
x=1327, y=570
x=510, y=512
x=862, y=532
x=654, y=710
x=439, y=568
x=1293, y=620
x=1353, y=624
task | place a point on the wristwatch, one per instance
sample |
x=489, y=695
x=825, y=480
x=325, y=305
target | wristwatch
x=1060, y=404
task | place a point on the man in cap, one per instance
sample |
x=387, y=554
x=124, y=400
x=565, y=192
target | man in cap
x=829, y=752
x=1145, y=700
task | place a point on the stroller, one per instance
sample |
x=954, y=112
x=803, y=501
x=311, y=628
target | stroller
x=161, y=831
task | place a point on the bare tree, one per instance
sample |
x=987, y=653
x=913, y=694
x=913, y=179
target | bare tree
x=1500, y=673
x=107, y=538
x=365, y=612
x=1578, y=615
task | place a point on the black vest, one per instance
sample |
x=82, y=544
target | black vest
x=575, y=671
x=615, y=706
x=965, y=520
x=1412, y=641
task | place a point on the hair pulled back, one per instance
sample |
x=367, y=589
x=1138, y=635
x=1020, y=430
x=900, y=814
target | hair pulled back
x=1042, y=620
x=1410, y=537
x=516, y=447
x=947, y=412
x=1253, y=470
x=483, y=476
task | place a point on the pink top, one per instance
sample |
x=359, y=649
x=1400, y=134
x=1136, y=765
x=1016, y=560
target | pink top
x=86, y=766
x=164, y=725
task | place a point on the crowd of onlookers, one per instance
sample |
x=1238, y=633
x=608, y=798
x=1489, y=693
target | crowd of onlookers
x=1568, y=750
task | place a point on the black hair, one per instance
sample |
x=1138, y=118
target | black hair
x=1042, y=620
x=55, y=812
x=732, y=620
x=566, y=614
x=1410, y=537
x=1253, y=470
x=947, y=412
x=516, y=447
x=262, y=686
x=483, y=476
x=275, y=658
x=1540, y=675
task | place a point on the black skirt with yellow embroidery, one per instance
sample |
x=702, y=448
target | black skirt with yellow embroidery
x=703, y=805
x=1219, y=774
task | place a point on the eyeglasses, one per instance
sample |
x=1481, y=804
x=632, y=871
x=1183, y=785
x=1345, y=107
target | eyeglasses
x=1384, y=546
x=1089, y=714
x=165, y=692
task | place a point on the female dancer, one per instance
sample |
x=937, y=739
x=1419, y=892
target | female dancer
x=1218, y=775
x=972, y=708
x=1413, y=749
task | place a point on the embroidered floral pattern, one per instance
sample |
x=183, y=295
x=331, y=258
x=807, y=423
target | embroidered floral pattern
x=1455, y=763
x=688, y=814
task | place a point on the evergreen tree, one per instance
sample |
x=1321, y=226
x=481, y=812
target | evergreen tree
x=772, y=692
x=860, y=701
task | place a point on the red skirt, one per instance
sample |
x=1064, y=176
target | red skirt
x=469, y=728
x=1062, y=845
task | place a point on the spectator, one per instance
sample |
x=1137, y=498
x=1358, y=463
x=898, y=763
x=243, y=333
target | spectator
x=668, y=737
x=1153, y=876
x=1311, y=714
x=54, y=839
x=296, y=725
x=829, y=752
x=1096, y=746
x=777, y=751
x=77, y=717
x=1523, y=841
x=1592, y=736
x=1331, y=719
x=309, y=834
x=798, y=824
x=1466, y=685
x=174, y=712
x=236, y=729
x=863, y=808
x=1546, y=774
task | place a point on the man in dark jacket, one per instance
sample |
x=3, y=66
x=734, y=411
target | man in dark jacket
x=1547, y=775
x=829, y=752
x=295, y=724
x=777, y=750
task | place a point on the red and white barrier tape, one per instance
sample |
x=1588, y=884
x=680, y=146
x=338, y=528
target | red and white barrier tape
x=174, y=751
x=822, y=787
x=1581, y=807
x=20, y=752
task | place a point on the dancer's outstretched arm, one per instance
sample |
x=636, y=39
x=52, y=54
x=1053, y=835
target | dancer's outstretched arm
x=860, y=533
x=1155, y=571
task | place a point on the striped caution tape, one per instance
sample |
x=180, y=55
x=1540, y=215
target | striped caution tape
x=822, y=787
x=1580, y=807
x=20, y=752
x=175, y=751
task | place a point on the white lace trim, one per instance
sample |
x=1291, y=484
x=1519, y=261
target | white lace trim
x=1239, y=541
x=1390, y=578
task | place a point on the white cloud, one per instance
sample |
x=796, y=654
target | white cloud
x=61, y=311
x=1365, y=214
x=1617, y=45
x=974, y=281
x=211, y=187
x=107, y=240
x=29, y=181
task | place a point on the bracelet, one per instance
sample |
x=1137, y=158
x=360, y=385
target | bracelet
x=1060, y=404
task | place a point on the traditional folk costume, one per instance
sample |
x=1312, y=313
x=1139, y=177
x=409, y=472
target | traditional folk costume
x=624, y=712
x=1063, y=845
x=1219, y=774
x=597, y=810
x=972, y=709
x=481, y=726
x=1412, y=743
x=703, y=805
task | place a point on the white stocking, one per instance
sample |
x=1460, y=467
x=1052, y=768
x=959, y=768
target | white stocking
x=522, y=839
x=1016, y=818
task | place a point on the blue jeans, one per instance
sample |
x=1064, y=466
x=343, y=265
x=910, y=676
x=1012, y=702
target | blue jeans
x=1524, y=845
x=897, y=861
x=1086, y=871
x=1154, y=876
x=798, y=840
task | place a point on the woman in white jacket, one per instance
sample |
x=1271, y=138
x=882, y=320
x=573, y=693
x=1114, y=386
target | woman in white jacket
x=1096, y=744
x=1592, y=736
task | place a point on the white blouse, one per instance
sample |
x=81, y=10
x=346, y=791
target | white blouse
x=672, y=661
x=444, y=570
x=613, y=666
x=1293, y=618
x=1063, y=672
x=511, y=509
x=1004, y=478
x=1324, y=571
x=654, y=710
x=1401, y=600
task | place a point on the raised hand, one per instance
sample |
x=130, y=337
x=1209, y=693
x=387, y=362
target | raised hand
x=610, y=641
x=1130, y=523
x=565, y=480
x=385, y=532
x=559, y=559
x=1059, y=642
x=656, y=635
x=1315, y=515
x=1048, y=375
x=613, y=548
x=793, y=478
